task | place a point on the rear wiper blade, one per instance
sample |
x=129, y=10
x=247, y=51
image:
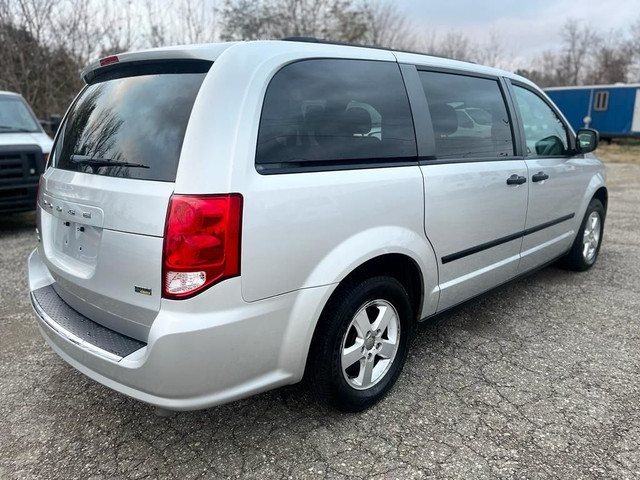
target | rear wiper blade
x=104, y=162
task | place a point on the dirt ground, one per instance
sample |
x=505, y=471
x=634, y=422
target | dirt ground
x=538, y=380
x=619, y=152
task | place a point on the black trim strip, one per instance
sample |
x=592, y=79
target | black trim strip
x=537, y=228
x=494, y=243
x=435, y=317
x=481, y=247
x=331, y=165
x=455, y=71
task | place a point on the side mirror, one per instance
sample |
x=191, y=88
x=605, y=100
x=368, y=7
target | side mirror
x=587, y=140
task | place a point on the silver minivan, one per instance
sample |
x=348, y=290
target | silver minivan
x=219, y=220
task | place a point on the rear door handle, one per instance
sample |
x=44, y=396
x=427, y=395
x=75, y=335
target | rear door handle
x=516, y=180
x=539, y=177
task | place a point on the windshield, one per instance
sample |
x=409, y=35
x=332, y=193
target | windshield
x=15, y=116
x=131, y=126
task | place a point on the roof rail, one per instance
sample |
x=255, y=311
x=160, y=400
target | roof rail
x=349, y=44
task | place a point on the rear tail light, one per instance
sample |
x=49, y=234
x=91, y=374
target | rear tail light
x=201, y=244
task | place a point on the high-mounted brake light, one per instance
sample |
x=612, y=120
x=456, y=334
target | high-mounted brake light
x=201, y=243
x=109, y=60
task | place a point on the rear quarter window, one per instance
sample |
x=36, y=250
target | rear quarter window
x=131, y=125
x=327, y=113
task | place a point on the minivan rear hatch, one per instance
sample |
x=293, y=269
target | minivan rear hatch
x=103, y=205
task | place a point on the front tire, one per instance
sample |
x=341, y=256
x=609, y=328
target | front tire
x=361, y=344
x=585, y=248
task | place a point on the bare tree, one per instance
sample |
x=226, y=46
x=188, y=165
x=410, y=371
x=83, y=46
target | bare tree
x=634, y=41
x=493, y=52
x=578, y=40
x=388, y=27
x=454, y=45
x=545, y=70
x=263, y=19
x=34, y=63
x=179, y=22
x=613, y=58
x=45, y=43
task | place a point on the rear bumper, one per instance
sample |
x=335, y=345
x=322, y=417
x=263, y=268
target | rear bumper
x=196, y=356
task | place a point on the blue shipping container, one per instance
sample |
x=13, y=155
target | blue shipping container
x=613, y=110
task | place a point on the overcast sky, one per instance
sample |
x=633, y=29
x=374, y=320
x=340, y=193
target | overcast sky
x=528, y=26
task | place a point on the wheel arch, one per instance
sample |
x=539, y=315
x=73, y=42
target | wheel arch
x=396, y=265
x=595, y=188
x=602, y=194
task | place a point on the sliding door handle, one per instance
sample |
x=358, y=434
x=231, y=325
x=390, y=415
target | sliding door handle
x=516, y=180
x=539, y=177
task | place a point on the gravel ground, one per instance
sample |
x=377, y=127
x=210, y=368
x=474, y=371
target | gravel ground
x=540, y=379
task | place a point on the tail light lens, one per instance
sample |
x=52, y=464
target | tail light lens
x=201, y=244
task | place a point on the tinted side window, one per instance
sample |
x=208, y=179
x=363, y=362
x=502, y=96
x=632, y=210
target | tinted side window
x=545, y=133
x=469, y=116
x=327, y=112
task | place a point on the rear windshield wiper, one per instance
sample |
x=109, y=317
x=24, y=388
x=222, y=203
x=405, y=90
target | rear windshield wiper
x=104, y=162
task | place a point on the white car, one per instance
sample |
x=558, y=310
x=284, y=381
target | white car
x=24, y=150
x=220, y=220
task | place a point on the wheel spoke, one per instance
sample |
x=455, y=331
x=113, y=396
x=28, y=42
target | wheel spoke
x=385, y=314
x=366, y=372
x=387, y=349
x=361, y=322
x=352, y=354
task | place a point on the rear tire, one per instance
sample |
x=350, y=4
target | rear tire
x=586, y=246
x=361, y=344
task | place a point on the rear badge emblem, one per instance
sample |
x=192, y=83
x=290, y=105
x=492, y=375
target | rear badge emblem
x=86, y=214
x=71, y=212
x=143, y=290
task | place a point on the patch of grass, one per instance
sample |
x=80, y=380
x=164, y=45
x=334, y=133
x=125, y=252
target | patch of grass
x=622, y=151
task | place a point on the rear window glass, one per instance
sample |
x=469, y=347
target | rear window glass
x=130, y=126
x=469, y=116
x=332, y=112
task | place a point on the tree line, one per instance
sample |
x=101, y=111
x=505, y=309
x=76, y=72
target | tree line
x=44, y=44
